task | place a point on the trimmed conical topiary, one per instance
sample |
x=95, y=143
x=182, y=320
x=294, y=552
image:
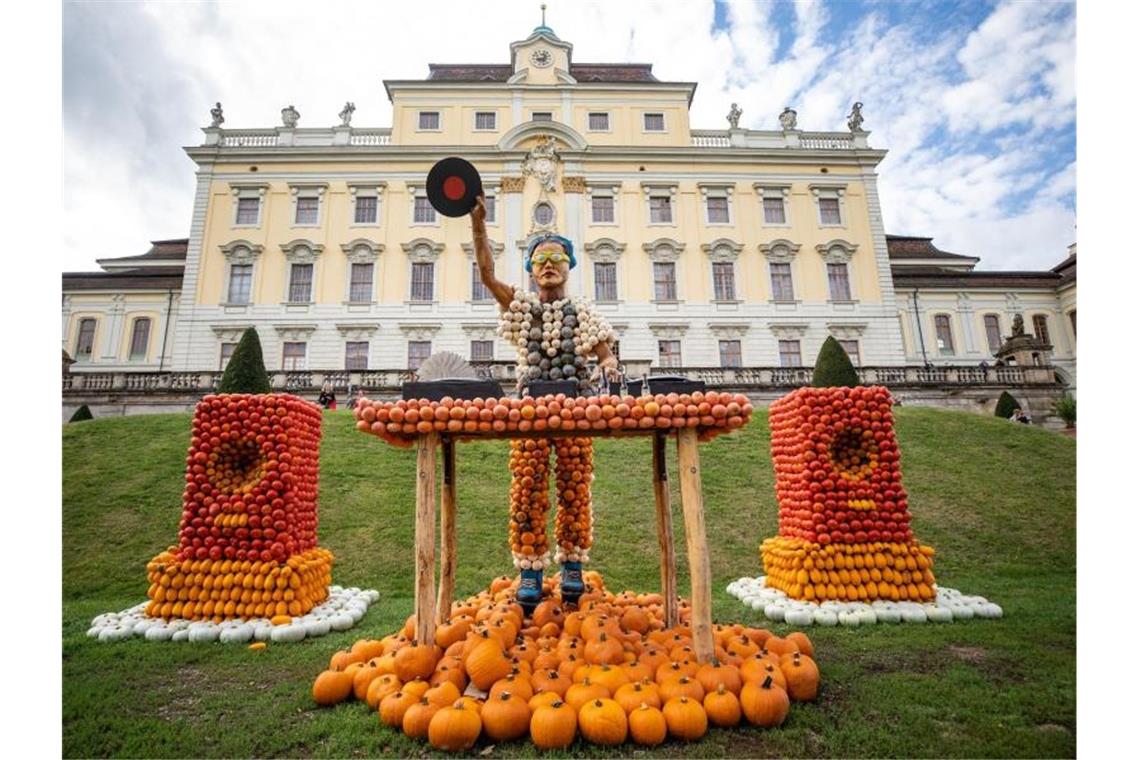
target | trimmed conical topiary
x=246, y=371
x=833, y=367
x=1006, y=403
x=82, y=413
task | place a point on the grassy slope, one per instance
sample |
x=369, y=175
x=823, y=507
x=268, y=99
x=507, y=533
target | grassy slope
x=997, y=501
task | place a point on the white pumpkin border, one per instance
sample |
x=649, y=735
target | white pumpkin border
x=343, y=609
x=949, y=605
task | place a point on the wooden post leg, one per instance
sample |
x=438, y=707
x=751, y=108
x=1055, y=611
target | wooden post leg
x=447, y=550
x=425, y=537
x=692, y=505
x=665, y=531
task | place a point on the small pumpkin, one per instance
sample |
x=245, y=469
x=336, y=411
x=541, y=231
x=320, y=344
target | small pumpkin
x=451, y=632
x=632, y=695
x=381, y=687
x=779, y=646
x=443, y=695
x=685, y=718
x=714, y=673
x=548, y=611
x=553, y=726
x=764, y=704
x=613, y=678
x=603, y=721
x=416, y=661
x=505, y=717
x=550, y=680
x=681, y=686
x=636, y=670
x=516, y=684
x=604, y=650
x=802, y=676
x=487, y=663
x=543, y=698
x=417, y=718
x=802, y=642
x=722, y=707
x=332, y=686
x=394, y=705
x=363, y=678
x=647, y=725
x=455, y=728
x=417, y=687
x=581, y=693
x=758, y=667
x=449, y=672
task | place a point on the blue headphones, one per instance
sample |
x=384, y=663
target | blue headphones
x=547, y=237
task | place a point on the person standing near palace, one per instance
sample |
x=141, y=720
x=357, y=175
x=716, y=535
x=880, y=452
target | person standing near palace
x=554, y=336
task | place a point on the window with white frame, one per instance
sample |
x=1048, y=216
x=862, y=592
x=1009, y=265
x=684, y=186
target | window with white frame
x=661, y=208
x=790, y=353
x=482, y=350
x=724, y=281
x=248, y=210
x=491, y=207
x=85, y=339
x=829, y=211
x=360, y=282
x=1041, y=327
x=367, y=209
x=542, y=116
x=602, y=209
x=293, y=356
x=225, y=354
x=730, y=353
x=424, y=212
x=300, y=283
x=716, y=208
x=943, y=334
x=308, y=210
x=140, y=338
x=774, y=201
x=241, y=283
x=356, y=355
x=654, y=122
x=423, y=281
x=429, y=121
x=418, y=350
x=479, y=291
x=837, y=282
x=852, y=349
x=664, y=281
x=669, y=353
x=993, y=332
x=598, y=121
x=605, y=281
x=781, y=276
x=485, y=120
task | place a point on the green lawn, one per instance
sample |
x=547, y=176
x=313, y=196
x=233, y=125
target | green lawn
x=997, y=501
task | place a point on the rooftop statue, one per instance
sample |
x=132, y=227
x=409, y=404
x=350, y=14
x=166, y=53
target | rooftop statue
x=289, y=116
x=787, y=119
x=855, y=118
x=734, y=116
x=346, y=114
x=216, y=115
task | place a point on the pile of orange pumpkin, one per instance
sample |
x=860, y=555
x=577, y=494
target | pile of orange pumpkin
x=609, y=671
x=399, y=422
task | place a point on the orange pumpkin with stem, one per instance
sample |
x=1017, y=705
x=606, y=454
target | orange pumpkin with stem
x=714, y=673
x=332, y=686
x=417, y=718
x=633, y=695
x=381, y=687
x=603, y=721
x=647, y=725
x=764, y=704
x=685, y=718
x=516, y=684
x=722, y=707
x=802, y=676
x=581, y=693
x=681, y=686
x=454, y=728
x=506, y=717
x=487, y=663
x=553, y=726
x=394, y=705
x=416, y=661
x=550, y=680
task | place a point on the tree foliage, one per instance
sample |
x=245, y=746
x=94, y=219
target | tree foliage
x=833, y=367
x=82, y=413
x=1066, y=408
x=246, y=371
x=1006, y=403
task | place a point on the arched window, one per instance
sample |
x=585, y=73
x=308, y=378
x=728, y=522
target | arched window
x=1041, y=327
x=140, y=339
x=85, y=342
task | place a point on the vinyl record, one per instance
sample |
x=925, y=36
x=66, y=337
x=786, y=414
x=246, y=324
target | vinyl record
x=452, y=186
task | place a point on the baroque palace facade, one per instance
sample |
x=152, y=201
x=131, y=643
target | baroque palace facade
x=706, y=249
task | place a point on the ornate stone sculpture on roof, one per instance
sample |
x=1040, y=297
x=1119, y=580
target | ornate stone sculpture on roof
x=855, y=118
x=788, y=119
x=734, y=116
x=542, y=163
x=346, y=114
x=216, y=117
x=289, y=116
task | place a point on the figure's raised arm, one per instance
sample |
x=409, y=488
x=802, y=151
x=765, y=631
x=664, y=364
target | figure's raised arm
x=502, y=292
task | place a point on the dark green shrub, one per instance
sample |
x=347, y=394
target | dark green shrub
x=1006, y=403
x=833, y=367
x=1066, y=408
x=82, y=413
x=246, y=371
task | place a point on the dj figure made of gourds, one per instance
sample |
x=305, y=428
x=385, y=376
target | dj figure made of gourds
x=555, y=337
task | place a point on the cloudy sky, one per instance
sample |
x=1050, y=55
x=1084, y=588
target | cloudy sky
x=976, y=101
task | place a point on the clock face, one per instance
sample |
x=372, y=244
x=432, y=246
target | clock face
x=541, y=58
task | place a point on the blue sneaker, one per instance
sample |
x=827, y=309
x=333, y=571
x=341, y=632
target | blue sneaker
x=572, y=584
x=530, y=590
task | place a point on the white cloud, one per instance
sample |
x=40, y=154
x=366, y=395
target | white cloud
x=140, y=79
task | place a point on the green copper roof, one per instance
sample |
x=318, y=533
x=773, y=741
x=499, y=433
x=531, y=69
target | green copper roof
x=544, y=29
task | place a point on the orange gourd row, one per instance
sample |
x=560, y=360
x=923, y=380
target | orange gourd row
x=849, y=572
x=225, y=589
x=398, y=422
x=610, y=671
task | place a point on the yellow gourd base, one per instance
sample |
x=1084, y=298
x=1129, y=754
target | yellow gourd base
x=849, y=572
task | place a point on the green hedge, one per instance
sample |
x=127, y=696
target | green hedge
x=833, y=367
x=1005, y=405
x=246, y=371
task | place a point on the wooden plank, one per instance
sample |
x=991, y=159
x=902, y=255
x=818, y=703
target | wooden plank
x=425, y=537
x=665, y=530
x=692, y=506
x=447, y=537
